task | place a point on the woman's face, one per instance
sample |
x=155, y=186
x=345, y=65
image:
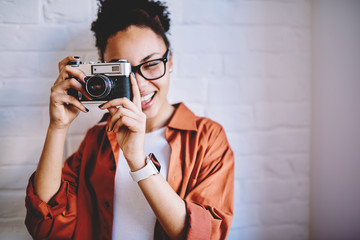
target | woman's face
x=138, y=45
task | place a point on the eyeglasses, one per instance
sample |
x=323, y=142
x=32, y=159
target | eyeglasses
x=153, y=69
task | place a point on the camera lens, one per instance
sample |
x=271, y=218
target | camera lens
x=98, y=86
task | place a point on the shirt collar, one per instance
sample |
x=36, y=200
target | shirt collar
x=183, y=118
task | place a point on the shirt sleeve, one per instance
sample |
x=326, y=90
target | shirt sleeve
x=57, y=218
x=210, y=198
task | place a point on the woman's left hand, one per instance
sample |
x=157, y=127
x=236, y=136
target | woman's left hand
x=129, y=123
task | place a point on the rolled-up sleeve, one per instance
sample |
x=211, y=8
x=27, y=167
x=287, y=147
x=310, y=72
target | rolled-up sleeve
x=55, y=219
x=42, y=209
x=198, y=222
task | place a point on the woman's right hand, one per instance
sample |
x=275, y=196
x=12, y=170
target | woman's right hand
x=63, y=107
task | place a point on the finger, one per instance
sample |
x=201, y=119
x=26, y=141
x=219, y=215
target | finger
x=112, y=110
x=135, y=90
x=68, y=72
x=66, y=60
x=123, y=102
x=65, y=99
x=126, y=122
x=71, y=83
x=118, y=125
x=121, y=113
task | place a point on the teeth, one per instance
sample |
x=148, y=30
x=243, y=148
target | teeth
x=147, y=97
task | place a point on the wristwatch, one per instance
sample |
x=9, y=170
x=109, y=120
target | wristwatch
x=152, y=167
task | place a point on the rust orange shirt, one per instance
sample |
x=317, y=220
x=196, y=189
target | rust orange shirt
x=201, y=171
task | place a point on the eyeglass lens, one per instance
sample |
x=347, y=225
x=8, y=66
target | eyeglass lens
x=153, y=69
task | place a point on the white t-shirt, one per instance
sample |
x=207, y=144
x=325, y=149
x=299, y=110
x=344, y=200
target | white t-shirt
x=133, y=216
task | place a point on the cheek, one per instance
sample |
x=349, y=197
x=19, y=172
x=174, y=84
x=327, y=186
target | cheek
x=164, y=87
x=162, y=84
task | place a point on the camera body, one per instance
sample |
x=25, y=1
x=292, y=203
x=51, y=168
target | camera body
x=104, y=81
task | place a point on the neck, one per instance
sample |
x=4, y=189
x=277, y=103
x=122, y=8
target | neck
x=161, y=119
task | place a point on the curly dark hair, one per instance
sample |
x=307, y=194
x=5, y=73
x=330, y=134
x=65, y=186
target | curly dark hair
x=118, y=15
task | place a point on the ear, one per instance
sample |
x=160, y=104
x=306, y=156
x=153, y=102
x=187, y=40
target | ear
x=171, y=64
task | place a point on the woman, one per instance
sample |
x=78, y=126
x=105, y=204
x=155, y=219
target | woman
x=94, y=196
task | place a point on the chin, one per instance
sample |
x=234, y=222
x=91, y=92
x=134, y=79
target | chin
x=150, y=113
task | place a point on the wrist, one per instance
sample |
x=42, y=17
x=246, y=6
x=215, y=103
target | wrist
x=57, y=131
x=152, y=167
x=137, y=162
x=58, y=128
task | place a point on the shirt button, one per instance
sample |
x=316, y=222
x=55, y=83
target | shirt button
x=107, y=204
x=112, y=168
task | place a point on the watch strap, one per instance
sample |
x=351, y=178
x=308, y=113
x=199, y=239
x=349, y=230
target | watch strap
x=147, y=171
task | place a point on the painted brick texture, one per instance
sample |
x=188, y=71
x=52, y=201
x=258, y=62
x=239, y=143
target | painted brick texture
x=243, y=63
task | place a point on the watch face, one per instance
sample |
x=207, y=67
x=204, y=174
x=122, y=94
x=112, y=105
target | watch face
x=155, y=161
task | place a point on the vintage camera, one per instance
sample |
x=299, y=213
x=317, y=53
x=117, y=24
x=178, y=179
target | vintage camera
x=104, y=81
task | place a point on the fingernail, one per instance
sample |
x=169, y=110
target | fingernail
x=101, y=105
x=87, y=110
x=76, y=57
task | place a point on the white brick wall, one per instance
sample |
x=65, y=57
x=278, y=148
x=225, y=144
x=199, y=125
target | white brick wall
x=247, y=63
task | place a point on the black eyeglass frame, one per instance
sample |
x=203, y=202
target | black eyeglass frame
x=164, y=60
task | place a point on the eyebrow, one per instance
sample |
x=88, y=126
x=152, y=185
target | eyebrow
x=142, y=60
x=148, y=57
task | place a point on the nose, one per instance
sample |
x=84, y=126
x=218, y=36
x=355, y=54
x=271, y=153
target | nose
x=142, y=82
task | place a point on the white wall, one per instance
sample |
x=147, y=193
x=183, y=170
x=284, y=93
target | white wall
x=336, y=121
x=243, y=63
